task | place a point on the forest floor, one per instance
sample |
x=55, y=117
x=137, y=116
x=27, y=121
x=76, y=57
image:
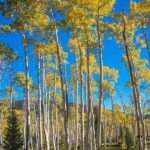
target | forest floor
x=148, y=143
x=115, y=147
x=119, y=148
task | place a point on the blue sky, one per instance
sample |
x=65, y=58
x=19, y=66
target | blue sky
x=112, y=55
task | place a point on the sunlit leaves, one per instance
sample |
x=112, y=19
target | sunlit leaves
x=20, y=79
x=7, y=53
x=110, y=78
x=144, y=75
x=110, y=74
x=148, y=91
x=141, y=8
x=101, y=7
x=8, y=89
x=41, y=49
x=27, y=15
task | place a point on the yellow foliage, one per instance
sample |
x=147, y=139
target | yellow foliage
x=141, y=8
x=148, y=91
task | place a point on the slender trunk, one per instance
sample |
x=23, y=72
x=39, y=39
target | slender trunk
x=56, y=114
x=142, y=121
x=89, y=104
x=123, y=132
x=86, y=96
x=62, y=83
x=104, y=125
x=133, y=124
x=39, y=108
x=133, y=86
x=146, y=41
x=100, y=88
x=117, y=132
x=27, y=94
x=48, y=119
x=1, y=128
x=93, y=129
x=73, y=121
x=110, y=135
x=53, y=130
x=124, y=121
x=76, y=118
x=76, y=108
x=57, y=128
x=45, y=106
x=11, y=90
x=113, y=115
x=88, y=91
x=46, y=124
x=36, y=128
x=139, y=106
x=138, y=101
x=90, y=138
x=81, y=100
x=24, y=124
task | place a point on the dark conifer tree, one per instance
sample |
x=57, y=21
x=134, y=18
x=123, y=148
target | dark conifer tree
x=13, y=137
x=129, y=139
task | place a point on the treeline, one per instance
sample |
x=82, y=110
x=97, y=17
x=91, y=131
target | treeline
x=114, y=133
x=48, y=122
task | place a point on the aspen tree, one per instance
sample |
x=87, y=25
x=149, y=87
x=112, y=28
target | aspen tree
x=140, y=12
x=9, y=57
x=24, y=21
x=125, y=37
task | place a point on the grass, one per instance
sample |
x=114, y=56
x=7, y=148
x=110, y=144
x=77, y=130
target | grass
x=118, y=148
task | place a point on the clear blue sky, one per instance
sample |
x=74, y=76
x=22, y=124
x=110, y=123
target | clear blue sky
x=112, y=54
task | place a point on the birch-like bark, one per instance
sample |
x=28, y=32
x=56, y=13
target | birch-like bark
x=24, y=124
x=142, y=121
x=45, y=108
x=110, y=135
x=1, y=127
x=123, y=119
x=100, y=88
x=56, y=114
x=133, y=86
x=40, y=143
x=93, y=129
x=104, y=125
x=81, y=95
x=88, y=90
x=76, y=111
x=27, y=93
x=36, y=128
x=57, y=131
x=53, y=130
x=62, y=83
x=133, y=123
x=113, y=115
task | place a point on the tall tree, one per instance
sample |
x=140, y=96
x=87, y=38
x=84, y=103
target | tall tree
x=9, y=57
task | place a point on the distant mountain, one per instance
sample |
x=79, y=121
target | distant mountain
x=18, y=103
